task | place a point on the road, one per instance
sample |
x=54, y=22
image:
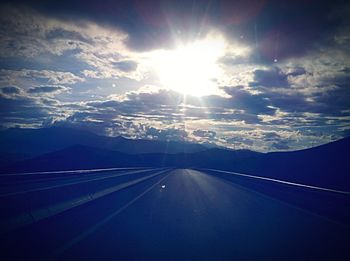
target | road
x=157, y=214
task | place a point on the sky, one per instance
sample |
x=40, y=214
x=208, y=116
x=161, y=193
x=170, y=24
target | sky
x=255, y=74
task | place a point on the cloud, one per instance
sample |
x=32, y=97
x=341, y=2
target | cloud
x=126, y=66
x=166, y=134
x=27, y=33
x=239, y=141
x=298, y=29
x=272, y=77
x=47, y=90
x=64, y=34
x=312, y=88
x=21, y=111
x=173, y=106
x=134, y=115
x=295, y=71
x=10, y=90
x=249, y=102
x=34, y=77
x=271, y=136
x=262, y=139
x=280, y=145
x=293, y=27
x=204, y=133
x=159, y=97
x=97, y=58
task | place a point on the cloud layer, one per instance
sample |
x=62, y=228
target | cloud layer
x=284, y=82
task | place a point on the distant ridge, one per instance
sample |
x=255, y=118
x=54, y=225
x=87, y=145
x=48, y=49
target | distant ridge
x=18, y=144
x=84, y=157
x=326, y=165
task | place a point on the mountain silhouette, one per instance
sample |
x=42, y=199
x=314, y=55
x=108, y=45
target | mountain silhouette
x=326, y=165
x=18, y=144
x=67, y=149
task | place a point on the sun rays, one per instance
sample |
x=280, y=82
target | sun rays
x=191, y=68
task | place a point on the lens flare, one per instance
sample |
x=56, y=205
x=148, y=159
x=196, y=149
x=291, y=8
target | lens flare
x=191, y=68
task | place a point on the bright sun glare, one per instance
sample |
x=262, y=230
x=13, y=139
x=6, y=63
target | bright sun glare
x=191, y=68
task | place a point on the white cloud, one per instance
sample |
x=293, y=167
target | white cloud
x=26, y=79
x=28, y=34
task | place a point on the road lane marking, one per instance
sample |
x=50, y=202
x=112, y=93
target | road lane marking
x=82, y=171
x=52, y=210
x=281, y=181
x=42, y=179
x=92, y=229
x=74, y=183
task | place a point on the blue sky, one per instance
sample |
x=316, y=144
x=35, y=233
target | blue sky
x=261, y=75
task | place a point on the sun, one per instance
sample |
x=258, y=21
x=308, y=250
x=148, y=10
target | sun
x=191, y=68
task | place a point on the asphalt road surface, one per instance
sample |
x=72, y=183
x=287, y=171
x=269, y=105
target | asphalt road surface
x=158, y=214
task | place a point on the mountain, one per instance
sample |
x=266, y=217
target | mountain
x=18, y=144
x=76, y=157
x=326, y=165
x=84, y=157
x=65, y=149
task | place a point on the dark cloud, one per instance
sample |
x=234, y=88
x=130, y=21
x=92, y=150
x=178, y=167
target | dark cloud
x=272, y=77
x=169, y=107
x=290, y=91
x=284, y=28
x=335, y=100
x=157, y=105
x=165, y=107
x=234, y=60
x=296, y=71
x=240, y=141
x=346, y=133
x=295, y=102
x=276, y=140
x=173, y=107
x=46, y=89
x=166, y=134
x=271, y=136
x=21, y=110
x=330, y=101
x=126, y=66
x=280, y=145
x=204, y=133
x=60, y=33
x=80, y=120
x=250, y=103
x=133, y=116
x=161, y=97
x=296, y=27
x=10, y=90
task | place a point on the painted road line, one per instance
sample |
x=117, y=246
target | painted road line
x=82, y=171
x=94, y=228
x=73, y=183
x=43, y=213
x=281, y=181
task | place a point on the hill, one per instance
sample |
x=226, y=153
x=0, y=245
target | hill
x=18, y=144
x=327, y=165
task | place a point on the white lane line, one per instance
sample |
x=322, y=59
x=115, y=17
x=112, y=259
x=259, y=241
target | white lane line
x=15, y=181
x=281, y=181
x=73, y=183
x=43, y=213
x=91, y=230
x=82, y=171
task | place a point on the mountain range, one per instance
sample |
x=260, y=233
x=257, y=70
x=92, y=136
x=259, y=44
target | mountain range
x=17, y=144
x=49, y=149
